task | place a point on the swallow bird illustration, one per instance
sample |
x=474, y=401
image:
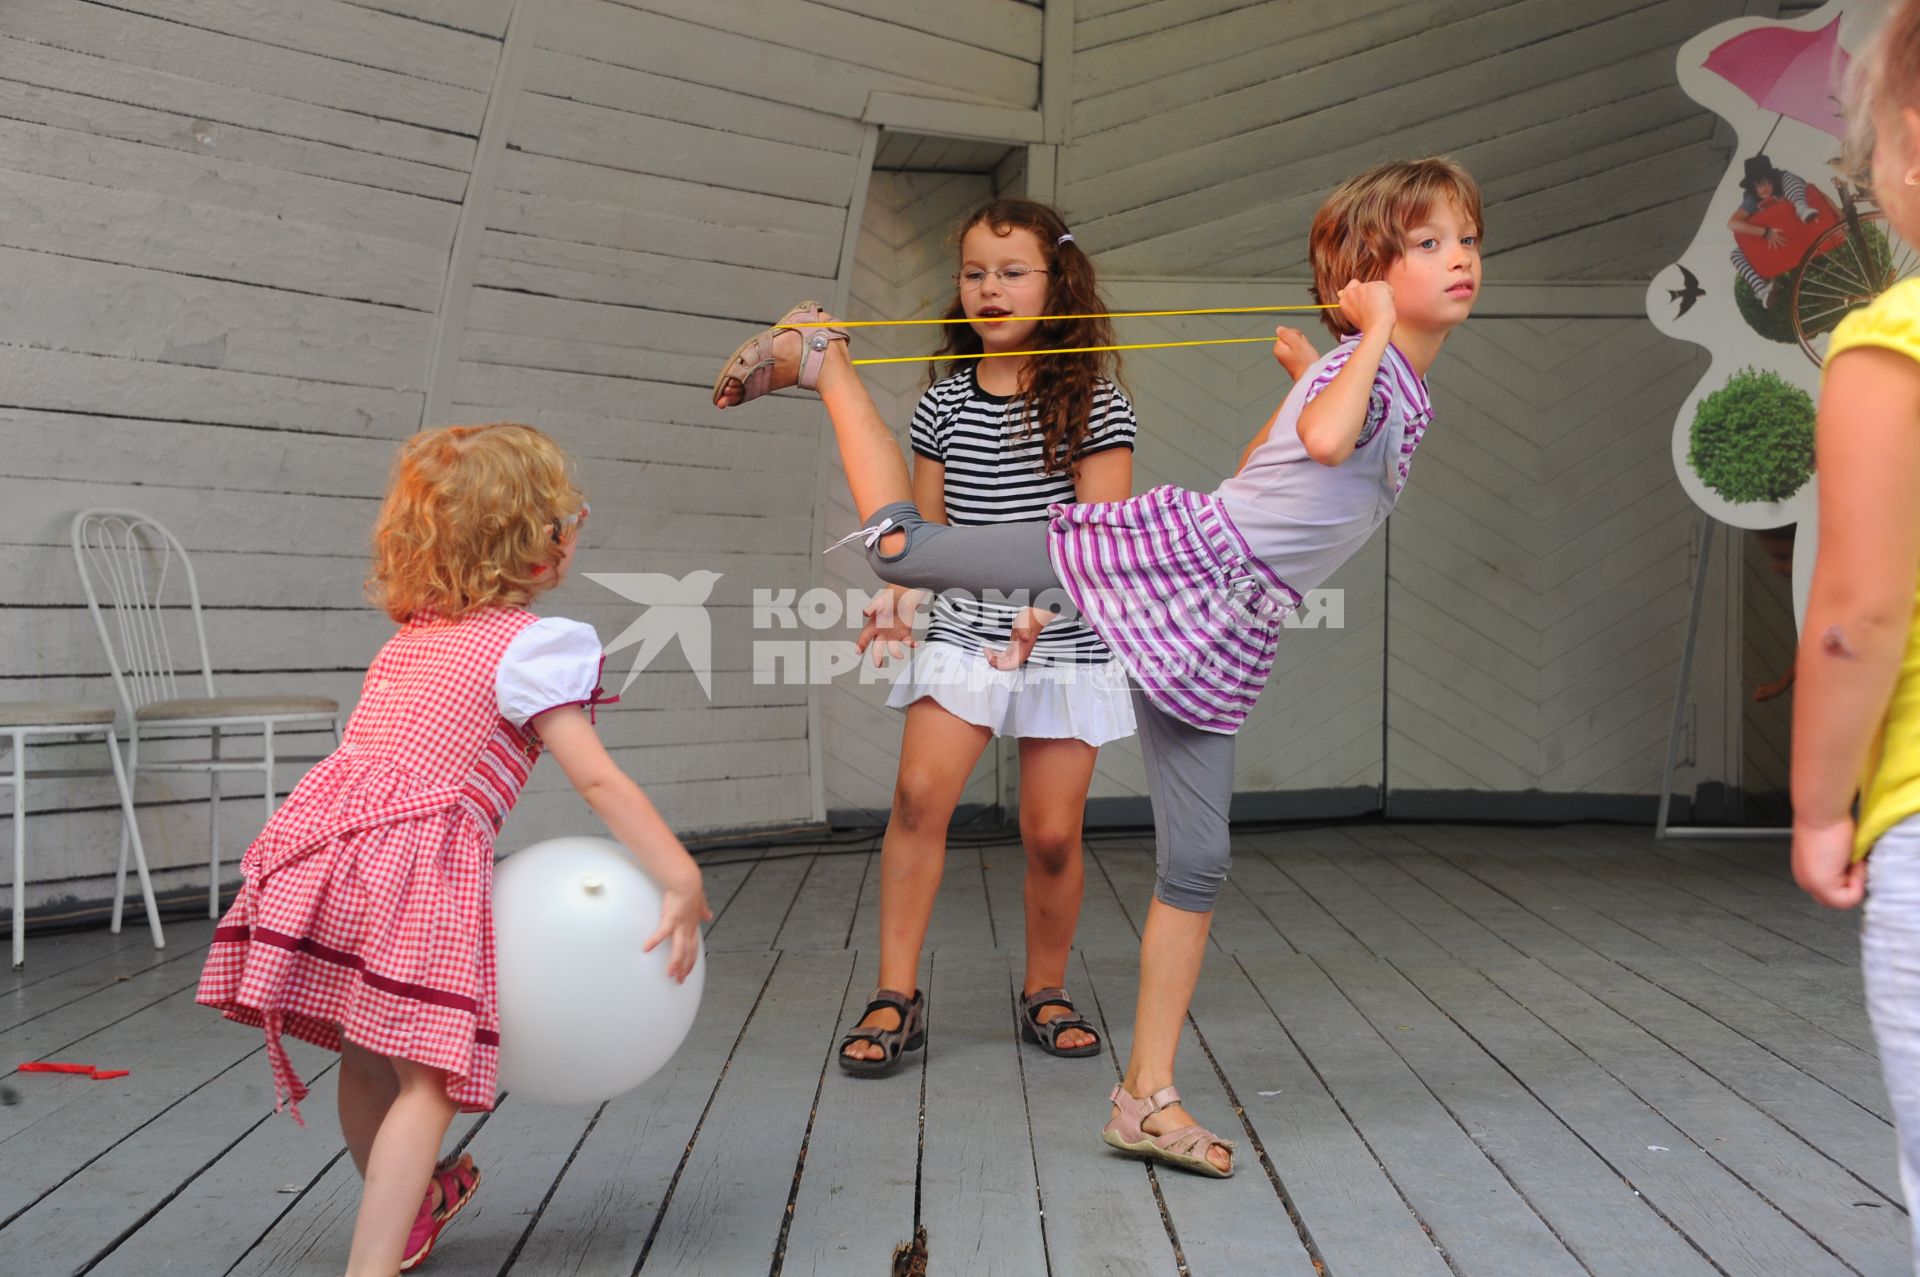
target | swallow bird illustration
x=675, y=608
x=1688, y=295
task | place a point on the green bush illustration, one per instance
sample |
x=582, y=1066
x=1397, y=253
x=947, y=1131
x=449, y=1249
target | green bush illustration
x=1752, y=439
x=1775, y=324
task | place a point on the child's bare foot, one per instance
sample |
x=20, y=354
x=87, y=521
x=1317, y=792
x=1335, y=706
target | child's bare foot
x=886, y=1019
x=1069, y=1039
x=1293, y=350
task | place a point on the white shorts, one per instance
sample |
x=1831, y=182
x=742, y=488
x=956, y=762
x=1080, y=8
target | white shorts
x=1090, y=703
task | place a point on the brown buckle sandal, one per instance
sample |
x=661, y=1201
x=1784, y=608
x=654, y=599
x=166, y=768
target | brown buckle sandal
x=910, y=1036
x=754, y=371
x=1046, y=1035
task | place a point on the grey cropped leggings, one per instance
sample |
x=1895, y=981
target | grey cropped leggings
x=1189, y=772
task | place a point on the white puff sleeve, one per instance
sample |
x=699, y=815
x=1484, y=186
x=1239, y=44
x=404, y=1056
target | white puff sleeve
x=551, y=663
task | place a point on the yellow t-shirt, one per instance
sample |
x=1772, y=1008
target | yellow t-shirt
x=1890, y=791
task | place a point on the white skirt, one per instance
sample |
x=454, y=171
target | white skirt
x=1091, y=703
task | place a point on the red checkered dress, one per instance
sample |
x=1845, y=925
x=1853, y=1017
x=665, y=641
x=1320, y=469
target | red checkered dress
x=367, y=898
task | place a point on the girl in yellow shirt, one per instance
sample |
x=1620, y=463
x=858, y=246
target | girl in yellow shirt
x=1856, y=725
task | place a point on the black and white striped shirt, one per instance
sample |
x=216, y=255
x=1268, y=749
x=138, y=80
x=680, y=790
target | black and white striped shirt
x=993, y=475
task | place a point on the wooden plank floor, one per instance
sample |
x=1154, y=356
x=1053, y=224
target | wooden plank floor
x=1444, y=1050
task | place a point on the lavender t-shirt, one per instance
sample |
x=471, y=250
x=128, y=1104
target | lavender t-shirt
x=1303, y=519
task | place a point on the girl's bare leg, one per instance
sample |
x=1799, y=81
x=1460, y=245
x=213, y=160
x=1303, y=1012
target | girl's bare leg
x=1172, y=946
x=1054, y=778
x=368, y=1087
x=937, y=754
x=876, y=468
x=399, y=1167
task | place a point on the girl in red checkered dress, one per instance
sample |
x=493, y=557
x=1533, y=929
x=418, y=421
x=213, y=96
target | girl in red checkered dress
x=364, y=925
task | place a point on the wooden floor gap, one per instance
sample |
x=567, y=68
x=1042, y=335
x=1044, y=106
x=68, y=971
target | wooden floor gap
x=533, y=1220
x=806, y=1136
x=241, y=1258
x=666, y=1198
x=1026, y=1115
x=1790, y=1130
x=122, y=978
x=859, y=892
x=1153, y=1178
x=1358, y=1133
x=1518, y=1189
x=1652, y=1204
x=1259, y=1150
x=1745, y=1181
x=245, y=1062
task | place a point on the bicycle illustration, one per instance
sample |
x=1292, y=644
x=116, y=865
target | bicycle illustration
x=1838, y=263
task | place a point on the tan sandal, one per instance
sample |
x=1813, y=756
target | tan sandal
x=754, y=371
x=1185, y=1147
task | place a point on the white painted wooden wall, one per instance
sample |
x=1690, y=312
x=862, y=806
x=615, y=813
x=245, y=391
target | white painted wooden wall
x=1205, y=132
x=251, y=243
x=1540, y=563
x=225, y=229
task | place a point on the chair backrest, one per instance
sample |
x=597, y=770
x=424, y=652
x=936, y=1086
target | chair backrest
x=125, y=560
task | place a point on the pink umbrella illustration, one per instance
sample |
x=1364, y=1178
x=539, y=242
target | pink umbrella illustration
x=1790, y=72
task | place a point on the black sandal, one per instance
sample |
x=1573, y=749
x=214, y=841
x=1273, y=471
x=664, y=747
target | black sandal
x=910, y=1036
x=1046, y=1035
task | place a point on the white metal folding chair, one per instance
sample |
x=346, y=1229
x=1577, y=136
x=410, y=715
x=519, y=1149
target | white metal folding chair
x=134, y=559
x=23, y=724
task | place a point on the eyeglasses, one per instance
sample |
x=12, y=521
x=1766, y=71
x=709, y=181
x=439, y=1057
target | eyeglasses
x=1009, y=276
x=563, y=526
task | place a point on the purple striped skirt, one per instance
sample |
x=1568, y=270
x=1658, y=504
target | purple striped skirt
x=1168, y=581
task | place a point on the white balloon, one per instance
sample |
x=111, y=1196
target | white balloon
x=584, y=1014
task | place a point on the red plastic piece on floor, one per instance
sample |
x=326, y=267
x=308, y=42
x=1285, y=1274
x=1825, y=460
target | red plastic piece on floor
x=83, y=1070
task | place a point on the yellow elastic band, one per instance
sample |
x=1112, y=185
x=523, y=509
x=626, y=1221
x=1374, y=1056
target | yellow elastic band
x=1064, y=350
x=1112, y=314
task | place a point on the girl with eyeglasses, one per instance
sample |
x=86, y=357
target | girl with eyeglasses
x=998, y=441
x=365, y=925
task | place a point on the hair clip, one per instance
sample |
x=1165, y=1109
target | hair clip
x=1064, y=239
